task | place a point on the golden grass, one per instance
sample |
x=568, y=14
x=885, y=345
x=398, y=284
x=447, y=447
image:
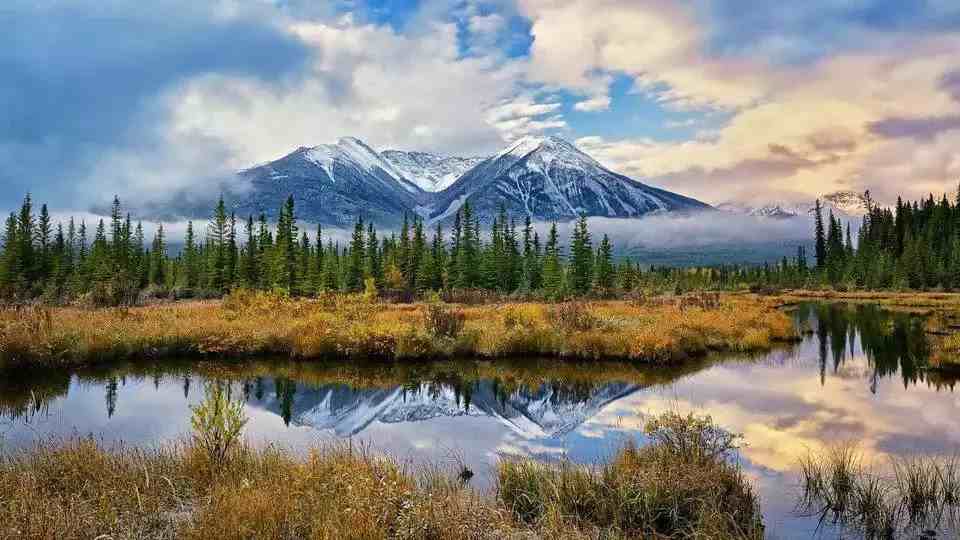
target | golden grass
x=250, y=324
x=918, y=301
x=80, y=490
x=683, y=485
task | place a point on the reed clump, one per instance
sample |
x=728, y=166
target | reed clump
x=79, y=489
x=912, y=495
x=358, y=326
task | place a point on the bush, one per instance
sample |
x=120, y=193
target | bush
x=652, y=492
x=445, y=322
x=217, y=426
x=574, y=317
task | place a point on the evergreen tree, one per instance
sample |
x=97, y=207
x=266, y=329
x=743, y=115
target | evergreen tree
x=158, y=253
x=581, y=258
x=552, y=265
x=820, y=237
x=191, y=272
x=355, y=266
x=218, y=231
x=605, y=270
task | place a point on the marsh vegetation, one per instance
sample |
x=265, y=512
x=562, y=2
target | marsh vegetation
x=250, y=323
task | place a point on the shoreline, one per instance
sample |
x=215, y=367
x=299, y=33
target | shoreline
x=350, y=327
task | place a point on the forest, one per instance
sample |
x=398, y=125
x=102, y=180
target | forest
x=914, y=246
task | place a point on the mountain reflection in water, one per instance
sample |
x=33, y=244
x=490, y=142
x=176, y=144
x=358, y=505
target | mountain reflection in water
x=856, y=376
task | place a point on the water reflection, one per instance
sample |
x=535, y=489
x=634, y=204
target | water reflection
x=857, y=376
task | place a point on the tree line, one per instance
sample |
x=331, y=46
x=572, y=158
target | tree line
x=114, y=264
x=914, y=245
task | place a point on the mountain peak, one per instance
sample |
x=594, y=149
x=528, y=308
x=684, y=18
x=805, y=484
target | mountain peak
x=551, y=144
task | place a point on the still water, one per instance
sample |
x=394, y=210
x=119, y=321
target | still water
x=857, y=376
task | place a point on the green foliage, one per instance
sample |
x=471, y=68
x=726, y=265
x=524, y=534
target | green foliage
x=218, y=424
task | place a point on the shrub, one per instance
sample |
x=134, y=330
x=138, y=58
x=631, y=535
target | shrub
x=692, y=438
x=574, y=317
x=649, y=492
x=218, y=425
x=445, y=322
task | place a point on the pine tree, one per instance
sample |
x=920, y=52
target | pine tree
x=581, y=258
x=232, y=255
x=217, y=234
x=819, y=237
x=190, y=270
x=331, y=270
x=552, y=265
x=10, y=272
x=305, y=257
x=158, y=253
x=43, y=238
x=355, y=266
x=605, y=271
x=26, y=253
x=438, y=255
x=249, y=274
x=418, y=252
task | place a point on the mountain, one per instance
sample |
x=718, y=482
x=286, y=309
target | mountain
x=547, y=411
x=847, y=205
x=430, y=172
x=332, y=184
x=545, y=178
x=550, y=179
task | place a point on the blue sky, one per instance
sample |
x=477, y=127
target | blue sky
x=724, y=100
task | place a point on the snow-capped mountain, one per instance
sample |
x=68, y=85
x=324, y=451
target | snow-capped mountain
x=332, y=184
x=545, y=178
x=550, y=179
x=430, y=172
x=846, y=205
x=544, y=412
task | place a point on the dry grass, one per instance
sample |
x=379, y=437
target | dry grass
x=665, y=489
x=250, y=324
x=920, y=301
x=81, y=490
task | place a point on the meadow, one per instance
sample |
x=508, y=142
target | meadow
x=215, y=486
x=248, y=324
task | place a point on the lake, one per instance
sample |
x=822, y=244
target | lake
x=857, y=377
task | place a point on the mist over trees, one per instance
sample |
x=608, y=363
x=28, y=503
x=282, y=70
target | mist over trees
x=915, y=245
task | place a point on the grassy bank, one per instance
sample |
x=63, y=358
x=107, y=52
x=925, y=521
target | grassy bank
x=676, y=487
x=923, y=302
x=349, y=327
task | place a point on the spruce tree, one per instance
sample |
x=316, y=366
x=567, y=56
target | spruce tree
x=355, y=266
x=158, y=254
x=819, y=237
x=581, y=258
x=552, y=265
x=605, y=271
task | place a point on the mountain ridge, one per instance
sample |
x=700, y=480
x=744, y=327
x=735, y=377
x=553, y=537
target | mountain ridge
x=546, y=178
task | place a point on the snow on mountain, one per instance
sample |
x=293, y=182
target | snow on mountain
x=543, y=412
x=544, y=178
x=551, y=179
x=332, y=185
x=430, y=172
x=847, y=205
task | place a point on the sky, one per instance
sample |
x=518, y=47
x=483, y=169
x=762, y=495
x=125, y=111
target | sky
x=744, y=101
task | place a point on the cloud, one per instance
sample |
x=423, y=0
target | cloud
x=84, y=79
x=662, y=231
x=916, y=128
x=599, y=103
x=579, y=43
